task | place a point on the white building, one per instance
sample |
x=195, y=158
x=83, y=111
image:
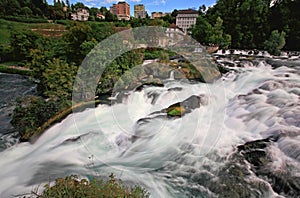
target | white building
x=186, y=18
x=80, y=15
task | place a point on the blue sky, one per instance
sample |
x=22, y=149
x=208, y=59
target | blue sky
x=151, y=5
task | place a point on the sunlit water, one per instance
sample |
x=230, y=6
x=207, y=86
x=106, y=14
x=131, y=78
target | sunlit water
x=143, y=146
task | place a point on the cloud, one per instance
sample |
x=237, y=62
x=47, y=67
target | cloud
x=157, y=2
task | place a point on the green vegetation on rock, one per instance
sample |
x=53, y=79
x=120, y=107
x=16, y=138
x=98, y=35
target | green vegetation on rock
x=176, y=111
x=71, y=186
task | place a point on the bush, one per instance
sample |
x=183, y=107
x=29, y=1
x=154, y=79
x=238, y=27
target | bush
x=275, y=43
x=71, y=186
x=31, y=112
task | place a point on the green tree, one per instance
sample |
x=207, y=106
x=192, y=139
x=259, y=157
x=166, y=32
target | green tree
x=110, y=17
x=174, y=13
x=275, y=43
x=245, y=20
x=201, y=30
x=58, y=79
x=285, y=16
x=26, y=11
x=22, y=42
x=217, y=37
x=74, y=37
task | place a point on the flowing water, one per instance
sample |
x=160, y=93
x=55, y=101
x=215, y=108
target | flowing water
x=169, y=156
x=12, y=86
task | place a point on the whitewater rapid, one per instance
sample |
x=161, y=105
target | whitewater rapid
x=165, y=155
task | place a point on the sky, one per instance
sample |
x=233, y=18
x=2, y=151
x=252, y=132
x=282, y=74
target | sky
x=150, y=5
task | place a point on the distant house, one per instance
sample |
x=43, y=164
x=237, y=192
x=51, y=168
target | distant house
x=139, y=11
x=81, y=14
x=100, y=16
x=155, y=15
x=186, y=18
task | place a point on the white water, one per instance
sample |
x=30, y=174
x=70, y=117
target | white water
x=156, y=152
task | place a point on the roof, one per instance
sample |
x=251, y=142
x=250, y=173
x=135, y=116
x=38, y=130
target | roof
x=123, y=2
x=173, y=25
x=189, y=11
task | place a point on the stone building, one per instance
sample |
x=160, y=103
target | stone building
x=186, y=18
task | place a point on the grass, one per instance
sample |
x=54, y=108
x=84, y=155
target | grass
x=46, y=29
x=15, y=70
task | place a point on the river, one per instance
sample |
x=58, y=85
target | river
x=12, y=86
x=188, y=156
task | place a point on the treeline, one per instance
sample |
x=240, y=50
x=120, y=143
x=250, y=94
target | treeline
x=41, y=9
x=250, y=24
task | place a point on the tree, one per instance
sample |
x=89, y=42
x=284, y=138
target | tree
x=77, y=34
x=217, y=37
x=26, y=11
x=79, y=5
x=285, y=16
x=110, y=17
x=174, y=13
x=245, y=20
x=103, y=10
x=275, y=43
x=22, y=42
x=58, y=79
x=201, y=30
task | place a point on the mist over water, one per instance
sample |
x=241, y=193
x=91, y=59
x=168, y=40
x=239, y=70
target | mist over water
x=170, y=157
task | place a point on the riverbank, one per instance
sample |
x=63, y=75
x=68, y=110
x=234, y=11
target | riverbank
x=15, y=70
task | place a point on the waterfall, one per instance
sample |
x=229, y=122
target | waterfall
x=170, y=156
x=172, y=75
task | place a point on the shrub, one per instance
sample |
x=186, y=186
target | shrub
x=31, y=112
x=73, y=187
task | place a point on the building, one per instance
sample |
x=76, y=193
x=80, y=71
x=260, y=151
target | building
x=186, y=18
x=100, y=16
x=139, y=11
x=155, y=15
x=81, y=14
x=121, y=10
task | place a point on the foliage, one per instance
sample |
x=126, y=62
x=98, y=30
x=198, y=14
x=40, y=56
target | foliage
x=12, y=70
x=58, y=78
x=164, y=56
x=175, y=111
x=77, y=34
x=25, y=20
x=285, y=16
x=24, y=41
x=31, y=112
x=23, y=8
x=217, y=36
x=207, y=34
x=245, y=20
x=71, y=186
x=275, y=43
x=117, y=68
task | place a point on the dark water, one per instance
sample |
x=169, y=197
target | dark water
x=12, y=86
